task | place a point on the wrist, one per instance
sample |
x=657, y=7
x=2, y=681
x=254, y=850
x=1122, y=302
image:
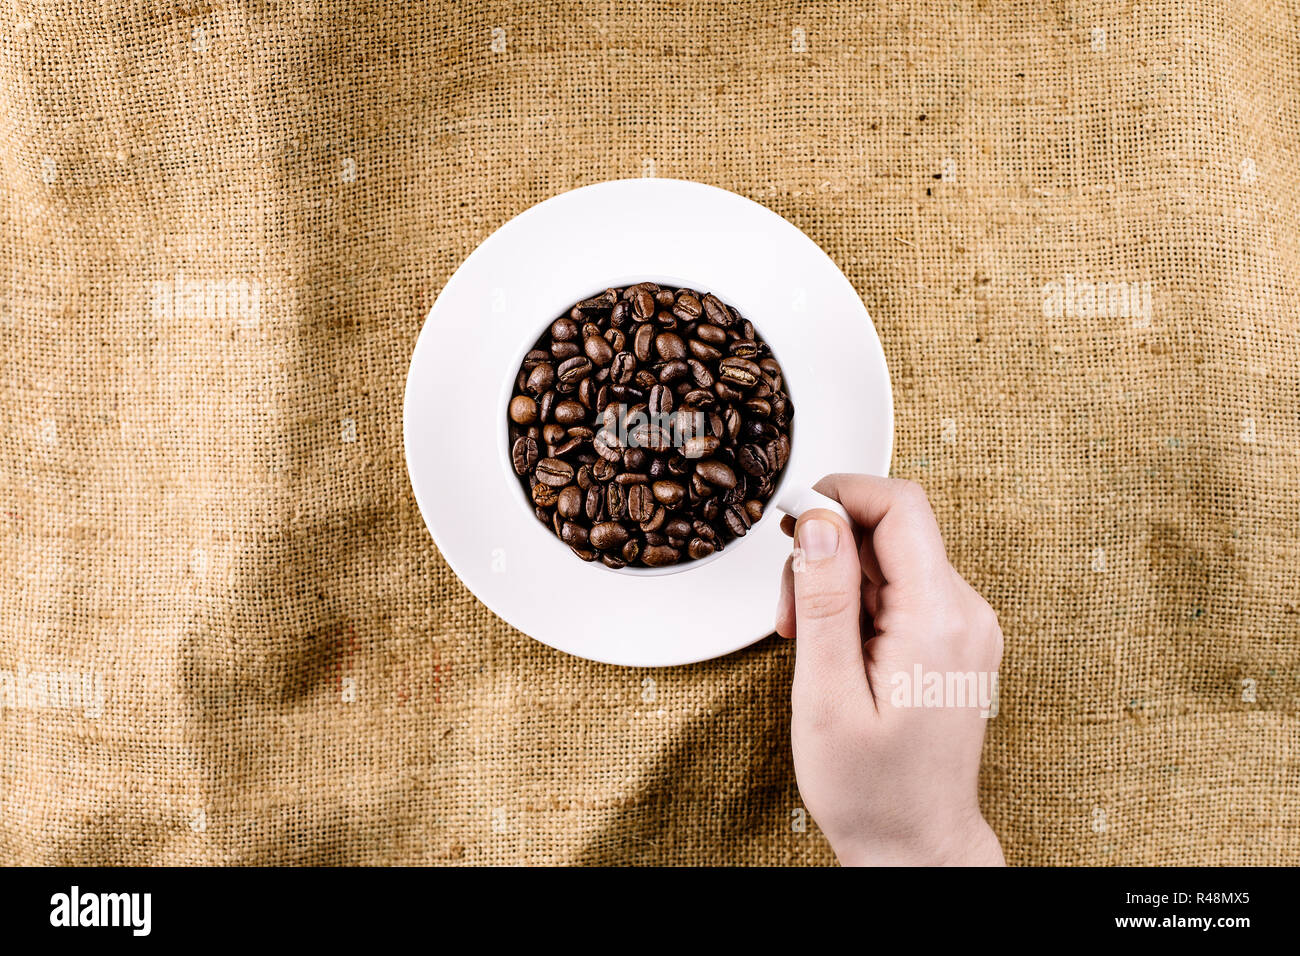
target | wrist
x=973, y=844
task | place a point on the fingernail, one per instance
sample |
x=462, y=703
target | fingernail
x=818, y=539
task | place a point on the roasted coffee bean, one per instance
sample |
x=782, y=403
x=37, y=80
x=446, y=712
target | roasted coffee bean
x=668, y=493
x=574, y=535
x=634, y=459
x=643, y=304
x=598, y=350
x=700, y=398
x=716, y=473
x=703, y=351
x=640, y=502
x=569, y=501
x=780, y=416
x=717, y=313
x=569, y=412
x=598, y=303
x=657, y=415
x=607, y=535
x=678, y=528
x=687, y=307
x=523, y=410
x=661, y=400
x=554, y=472
x=574, y=370
x=606, y=445
x=737, y=520
x=736, y=495
x=700, y=373
x=712, y=334
x=540, y=378
x=728, y=393
x=656, y=519
x=673, y=370
x=752, y=459
x=622, y=368
x=615, y=500
x=643, y=343
x=546, y=404
x=594, y=504
x=739, y=372
x=524, y=455
x=733, y=422
x=670, y=346
x=688, y=423
x=564, y=330
x=650, y=437
x=660, y=555
x=699, y=548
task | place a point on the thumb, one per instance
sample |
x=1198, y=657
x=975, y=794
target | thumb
x=829, y=666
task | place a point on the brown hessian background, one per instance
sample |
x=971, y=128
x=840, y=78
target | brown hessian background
x=227, y=637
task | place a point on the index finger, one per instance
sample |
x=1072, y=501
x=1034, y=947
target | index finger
x=904, y=533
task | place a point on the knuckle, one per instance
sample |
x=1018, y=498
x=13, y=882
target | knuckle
x=821, y=604
x=911, y=494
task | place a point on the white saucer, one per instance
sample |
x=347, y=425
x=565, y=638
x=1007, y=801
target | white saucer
x=494, y=308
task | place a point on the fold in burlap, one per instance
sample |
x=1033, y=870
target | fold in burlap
x=225, y=634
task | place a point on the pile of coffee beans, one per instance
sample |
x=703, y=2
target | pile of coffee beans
x=649, y=426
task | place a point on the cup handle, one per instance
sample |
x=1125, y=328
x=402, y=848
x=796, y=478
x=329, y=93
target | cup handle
x=796, y=501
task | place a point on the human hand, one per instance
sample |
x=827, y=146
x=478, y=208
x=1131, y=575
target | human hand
x=888, y=783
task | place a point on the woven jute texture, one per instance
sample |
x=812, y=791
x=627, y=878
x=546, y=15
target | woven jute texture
x=227, y=637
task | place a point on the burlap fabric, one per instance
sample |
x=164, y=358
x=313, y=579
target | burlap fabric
x=225, y=635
